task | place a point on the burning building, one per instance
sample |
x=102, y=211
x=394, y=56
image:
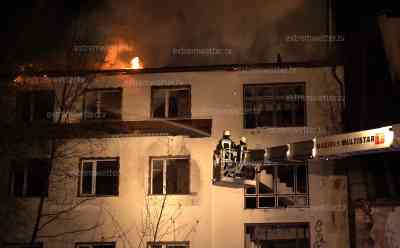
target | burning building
x=124, y=158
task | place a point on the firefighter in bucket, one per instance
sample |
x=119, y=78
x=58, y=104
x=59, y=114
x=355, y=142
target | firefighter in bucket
x=229, y=156
x=230, y=160
x=241, y=156
x=225, y=154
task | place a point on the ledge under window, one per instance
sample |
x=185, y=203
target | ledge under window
x=194, y=128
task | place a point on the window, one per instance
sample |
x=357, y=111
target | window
x=181, y=244
x=274, y=105
x=170, y=176
x=102, y=104
x=294, y=235
x=96, y=245
x=279, y=186
x=99, y=177
x=29, y=177
x=19, y=245
x=35, y=106
x=170, y=102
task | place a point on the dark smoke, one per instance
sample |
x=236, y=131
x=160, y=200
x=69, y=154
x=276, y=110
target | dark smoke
x=249, y=31
x=49, y=33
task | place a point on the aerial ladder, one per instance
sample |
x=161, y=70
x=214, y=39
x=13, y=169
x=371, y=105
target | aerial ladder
x=234, y=166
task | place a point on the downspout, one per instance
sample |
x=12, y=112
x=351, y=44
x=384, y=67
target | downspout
x=350, y=209
x=342, y=94
x=330, y=30
x=350, y=206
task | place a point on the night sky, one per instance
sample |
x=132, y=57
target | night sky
x=44, y=32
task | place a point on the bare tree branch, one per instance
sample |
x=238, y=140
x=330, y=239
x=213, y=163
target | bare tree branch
x=56, y=215
x=159, y=217
x=71, y=232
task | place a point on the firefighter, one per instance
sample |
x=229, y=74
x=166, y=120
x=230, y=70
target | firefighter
x=225, y=146
x=225, y=151
x=241, y=149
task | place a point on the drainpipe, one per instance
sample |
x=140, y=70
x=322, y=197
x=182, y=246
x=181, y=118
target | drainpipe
x=329, y=45
x=342, y=94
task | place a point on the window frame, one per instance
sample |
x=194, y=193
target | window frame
x=98, y=91
x=275, y=194
x=32, y=106
x=91, y=244
x=274, y=85
x=25, y=167
x=165, y=158
x=94, y=175
x=169, y=88
x=165, y=244
x=274, y=225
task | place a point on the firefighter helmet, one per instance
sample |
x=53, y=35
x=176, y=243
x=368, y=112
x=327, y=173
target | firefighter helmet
x=243, y=140
x=227, y=133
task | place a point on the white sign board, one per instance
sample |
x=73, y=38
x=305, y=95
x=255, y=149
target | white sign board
x=353, y=142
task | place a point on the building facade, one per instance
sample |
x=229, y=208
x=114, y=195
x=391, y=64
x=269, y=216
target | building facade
x=136, y=169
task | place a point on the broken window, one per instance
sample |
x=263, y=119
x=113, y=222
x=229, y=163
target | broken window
x=99, y=177
x=170, y=176
x=96, y=245
x=102, y=104
x=29, y=177
x=35, y=106
x=181, y=244
x=279, y=186
x=170, y=102
x=274, y=105
x=295, y=235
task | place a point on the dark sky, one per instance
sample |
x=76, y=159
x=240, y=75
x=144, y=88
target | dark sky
x=34, y=31
x=252, y=31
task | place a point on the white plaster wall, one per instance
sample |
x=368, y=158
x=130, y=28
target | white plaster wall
x=122, y=214
x=212, y=216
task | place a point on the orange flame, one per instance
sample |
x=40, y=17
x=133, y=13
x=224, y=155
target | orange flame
x=116, y=56
x=135, y=63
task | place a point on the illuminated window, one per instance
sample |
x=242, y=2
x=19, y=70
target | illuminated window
x=35, y=106
x=19, y=245
x=29, y=178
x=295, y=235
x=170, y=175
x=102, y=104
x=274, y=105
x=170, y=102
x=96, y=245
x=181, y=244
x=279, y=186
x=99, y=177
